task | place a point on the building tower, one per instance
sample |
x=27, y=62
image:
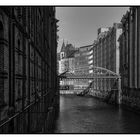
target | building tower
x=62, y=52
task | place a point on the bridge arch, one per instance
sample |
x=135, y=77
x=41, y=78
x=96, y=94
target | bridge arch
x=98, y=72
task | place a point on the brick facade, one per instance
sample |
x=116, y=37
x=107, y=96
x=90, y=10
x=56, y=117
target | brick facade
x=28, y=82
x=106, y=54
x=130, y=58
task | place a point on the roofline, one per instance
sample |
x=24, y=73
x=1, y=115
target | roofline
x=86, y=46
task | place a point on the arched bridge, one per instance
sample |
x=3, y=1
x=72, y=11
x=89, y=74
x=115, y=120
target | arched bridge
x=101, y=79
x=97, y=73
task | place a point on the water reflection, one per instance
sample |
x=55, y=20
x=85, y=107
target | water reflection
x=89, y=115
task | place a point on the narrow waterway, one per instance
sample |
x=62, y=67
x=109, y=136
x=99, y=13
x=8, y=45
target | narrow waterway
x=89, y=115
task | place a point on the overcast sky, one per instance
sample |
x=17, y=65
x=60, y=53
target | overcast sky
x=78, y=25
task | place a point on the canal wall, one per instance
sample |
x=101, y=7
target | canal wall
x=106, y=96
x=131, y=99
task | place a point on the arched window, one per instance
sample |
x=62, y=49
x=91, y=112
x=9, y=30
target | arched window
x=18, y=13
x=18, y=46
x=18, y=43
x=1, y=30
x=1, y=65
x=1, y=47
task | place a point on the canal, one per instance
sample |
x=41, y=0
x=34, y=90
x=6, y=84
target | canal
x=90, y=115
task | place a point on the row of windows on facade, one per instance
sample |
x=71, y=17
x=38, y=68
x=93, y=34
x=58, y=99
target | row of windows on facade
x=23, y=14
x=84, y=53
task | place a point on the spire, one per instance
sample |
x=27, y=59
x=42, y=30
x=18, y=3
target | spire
x=63, y=46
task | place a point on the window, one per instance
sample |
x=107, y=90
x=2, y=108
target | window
x=18, y=13
x=76, y=55
x=91, y=66
x=90, y=57
x=90, y=71
x=18, y=53
x=1, y=48
x=91, y=61
x=1, y=30
x=91, y=52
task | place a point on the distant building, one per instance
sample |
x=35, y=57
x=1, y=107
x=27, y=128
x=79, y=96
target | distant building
x=84, y=60
x=83, y=64
x=66, y=62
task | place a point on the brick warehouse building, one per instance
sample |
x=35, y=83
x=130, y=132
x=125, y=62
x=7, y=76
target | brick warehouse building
x=28, y=69
x=130, y=58
x=106, y=55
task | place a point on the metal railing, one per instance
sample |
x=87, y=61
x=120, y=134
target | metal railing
x=19, y=122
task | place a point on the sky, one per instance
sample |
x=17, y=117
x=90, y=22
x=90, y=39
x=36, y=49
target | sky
x=79, y=25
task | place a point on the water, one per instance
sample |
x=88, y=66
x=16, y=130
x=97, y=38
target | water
x=89, y=115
